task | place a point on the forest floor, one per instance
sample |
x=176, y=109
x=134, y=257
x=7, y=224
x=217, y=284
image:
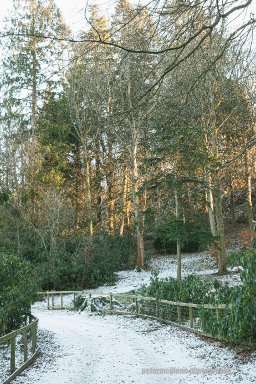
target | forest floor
x=81, y=348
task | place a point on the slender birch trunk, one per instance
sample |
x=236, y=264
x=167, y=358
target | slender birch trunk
x=98, y=183
x=178, y=213
x=89, y=196
x=136, y=205
x=217, y=203
x=248, y=190
x=110, y=177
x=210, y=206
x=222, y=260
x=34, y=70
x=123, y=202
x=127, y=215
x=135, y=178
x=232, y=204
x=111, y=201
x=78, y=180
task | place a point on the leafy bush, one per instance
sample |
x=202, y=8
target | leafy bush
x=194, y=236
x=191, y=289
x=63, y=258
x=85, y=262
x=17, y=291
x=236, y=323
x=241, y=319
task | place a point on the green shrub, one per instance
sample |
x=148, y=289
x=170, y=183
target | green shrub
x=241, y=319
x=87, y=262
x=191, y=289
x=236, y=323
x=63, y=258
x=17, y=291
x=195, y=236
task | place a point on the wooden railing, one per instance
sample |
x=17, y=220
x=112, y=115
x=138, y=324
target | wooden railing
x=205, y=319
x=55, y=299
x=18, y=349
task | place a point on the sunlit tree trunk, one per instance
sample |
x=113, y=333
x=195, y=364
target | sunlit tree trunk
x=78, y=184
x=232, y=204
x=178, y=214
x=123, y=202
x=34, y=68
x=136, y=206
x=89, y=196
x=98, y=188
x=248, y=190
x=222, y=261
x=217, y=201
x=110, y=179
x=210, y=206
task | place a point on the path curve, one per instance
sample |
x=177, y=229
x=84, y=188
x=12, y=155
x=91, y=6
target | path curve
x=111, y=349
x=92, y=351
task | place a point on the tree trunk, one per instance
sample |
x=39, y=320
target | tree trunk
x=248, y=191
x=127, y=215
x=123, y=202
x=34, y=70
x=177, y=206
x=217, y=203
x=89, y=196
x=98, y=183
x=222, y=260
x=111, y=200
x=135, y=176
x=136, y=205
x=210, y=207
x=232, y=204
x=78, y=186
x=111, y=207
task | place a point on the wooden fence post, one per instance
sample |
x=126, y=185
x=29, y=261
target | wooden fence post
x=218, y=318
x=28, y=333
x=61, y=301
x=179, y=313
x=90, y=298
x=34, y=337
x=25, y=342
x=13, y=351
x=111, y=301
x=136, y=305
x=191, y=317
x=157, y=308
x=48, y=300
x=217, y=313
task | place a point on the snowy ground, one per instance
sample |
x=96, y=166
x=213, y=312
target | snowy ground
x=199, y=263
x=88, y=348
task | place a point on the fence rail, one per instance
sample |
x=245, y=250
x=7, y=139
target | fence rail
x=18, y=349
x=205, y=319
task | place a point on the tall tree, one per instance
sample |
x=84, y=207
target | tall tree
x=30, y=64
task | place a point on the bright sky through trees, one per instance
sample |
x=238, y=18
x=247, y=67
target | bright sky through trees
x=73, y=11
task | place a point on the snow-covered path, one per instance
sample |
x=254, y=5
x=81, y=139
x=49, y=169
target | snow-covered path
x=84, y=348
x=92, y=350
x=87, y=348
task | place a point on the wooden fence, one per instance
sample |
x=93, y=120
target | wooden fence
x=61, y=299
x=205, y=319
x=18, y=350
